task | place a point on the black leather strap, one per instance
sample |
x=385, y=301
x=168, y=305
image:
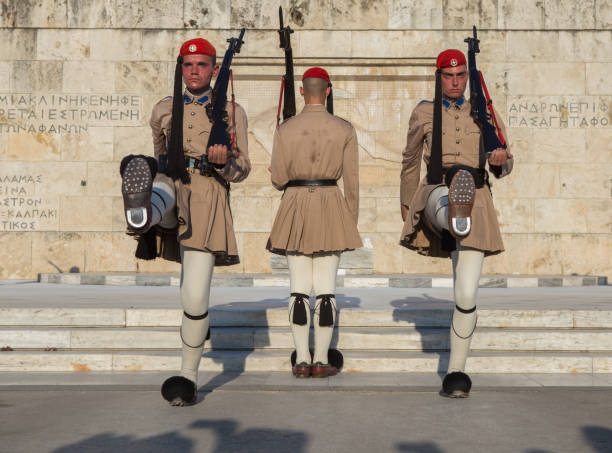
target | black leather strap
x=480, y=175
x=311, y=182
x=468, y=311
x=197, y=317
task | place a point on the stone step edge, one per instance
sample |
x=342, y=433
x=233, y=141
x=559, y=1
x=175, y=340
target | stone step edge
x=278, y=361
x=489, y=317
x=342, y=281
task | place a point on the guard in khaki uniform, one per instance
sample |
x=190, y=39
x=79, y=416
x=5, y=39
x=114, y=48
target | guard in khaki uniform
x=188, y=198
x=315, y=222
x=437, y=217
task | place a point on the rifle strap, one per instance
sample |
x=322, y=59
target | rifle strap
x=434, y=169
x=233, y=111
x=280, y=100
x=490, y=108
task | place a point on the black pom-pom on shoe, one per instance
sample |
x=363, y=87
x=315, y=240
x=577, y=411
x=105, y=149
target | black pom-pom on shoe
x=457, y=385
x=179, y=391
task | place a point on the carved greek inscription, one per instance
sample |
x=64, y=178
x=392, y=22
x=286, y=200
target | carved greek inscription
x=21, y=209
x=557, y=112
x=63, y=113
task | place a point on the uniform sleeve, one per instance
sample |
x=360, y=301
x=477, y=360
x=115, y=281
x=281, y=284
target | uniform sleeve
x=238, y=168
x=507, y=167
x=350, y=174
x=411, y=158
x=159, y=139
x=279, y=171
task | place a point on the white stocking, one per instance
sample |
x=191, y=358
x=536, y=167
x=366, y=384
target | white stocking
x=163, y=203
x=325, y=268
x=467, y=267
x=196, y=275
x=436, y=209
x=300, y=278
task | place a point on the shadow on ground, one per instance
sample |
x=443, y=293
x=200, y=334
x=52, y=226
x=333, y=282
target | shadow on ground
x=427, y=313
x=235, y=365
x=227, y=437
x=418, y=447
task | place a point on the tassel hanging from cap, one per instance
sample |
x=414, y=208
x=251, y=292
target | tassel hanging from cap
x=326, y=310
x=299, y=309
x=330, y=100
x=434, y=169
x=176, y=156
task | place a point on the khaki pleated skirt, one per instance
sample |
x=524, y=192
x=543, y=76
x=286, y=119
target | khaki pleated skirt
x=313, y=220
x=419, y=235
x=205, y=218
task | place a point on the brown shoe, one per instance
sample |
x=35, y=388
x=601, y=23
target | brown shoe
x=301, y=370
x=323, y=370
x=461, y=194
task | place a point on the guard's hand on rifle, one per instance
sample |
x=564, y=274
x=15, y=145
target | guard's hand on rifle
x=404, y=212
x=499, y=157
x=217, y=154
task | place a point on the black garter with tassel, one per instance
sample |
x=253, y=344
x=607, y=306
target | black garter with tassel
x=299, y=309
x=326, y=310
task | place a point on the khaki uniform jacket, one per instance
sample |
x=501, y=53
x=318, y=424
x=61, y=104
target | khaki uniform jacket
x=315, y=145
x=460, y=145
x=203, y=207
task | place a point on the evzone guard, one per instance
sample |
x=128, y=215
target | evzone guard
x=181, y=196
x=315, y=222
x=450, y=212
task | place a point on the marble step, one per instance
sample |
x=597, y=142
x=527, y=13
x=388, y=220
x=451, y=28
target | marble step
x=345, y=338
x=277, y=317
x=345, y=279
x=278, y=360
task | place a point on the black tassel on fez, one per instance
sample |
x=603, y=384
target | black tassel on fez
x=299, y=309
x=326, y=310
x=434, y=169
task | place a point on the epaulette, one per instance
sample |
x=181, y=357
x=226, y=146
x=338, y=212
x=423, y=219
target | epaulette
x=424, y=100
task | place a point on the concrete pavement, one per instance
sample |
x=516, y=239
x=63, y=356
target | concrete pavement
x=518, y=421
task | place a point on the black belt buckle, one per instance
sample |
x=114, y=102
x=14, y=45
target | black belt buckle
x=205, y=169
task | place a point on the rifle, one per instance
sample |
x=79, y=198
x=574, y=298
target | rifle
x=287, y=85
x=218, y=131
x=479, y=104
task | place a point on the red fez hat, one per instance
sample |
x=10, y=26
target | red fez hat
x=450, y=58
x=316, y=72
x=197, y=46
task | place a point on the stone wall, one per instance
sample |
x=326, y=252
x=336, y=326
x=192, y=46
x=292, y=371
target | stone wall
x=78, y=80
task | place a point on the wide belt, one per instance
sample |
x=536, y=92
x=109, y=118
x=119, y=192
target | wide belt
x=311, y=182
x=480, y=175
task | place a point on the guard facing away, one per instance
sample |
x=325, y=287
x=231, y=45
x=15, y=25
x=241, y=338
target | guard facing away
x=450, y=213
x=315, y=222
x=182, y=194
